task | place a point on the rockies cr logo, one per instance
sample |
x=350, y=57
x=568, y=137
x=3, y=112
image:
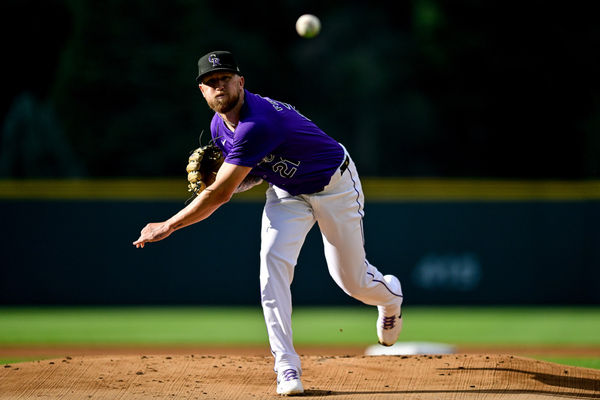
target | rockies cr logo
x=214, y=60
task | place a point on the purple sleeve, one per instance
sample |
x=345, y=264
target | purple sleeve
x=253, y=141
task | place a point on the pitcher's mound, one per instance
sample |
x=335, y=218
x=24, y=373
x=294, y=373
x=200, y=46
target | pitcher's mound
x=337, y=377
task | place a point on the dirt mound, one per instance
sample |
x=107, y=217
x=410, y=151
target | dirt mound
x=464, y=376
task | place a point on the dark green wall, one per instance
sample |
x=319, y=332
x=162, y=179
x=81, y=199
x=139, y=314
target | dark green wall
x=80, y=252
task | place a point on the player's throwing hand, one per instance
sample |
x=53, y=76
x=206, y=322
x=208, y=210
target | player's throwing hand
x=153, y=232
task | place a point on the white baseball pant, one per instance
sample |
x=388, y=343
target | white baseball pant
x=286, y=221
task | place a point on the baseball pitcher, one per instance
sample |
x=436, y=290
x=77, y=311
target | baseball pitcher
x=312, y=179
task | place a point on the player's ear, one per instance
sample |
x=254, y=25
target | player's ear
x=201, y=87
x=242, y=81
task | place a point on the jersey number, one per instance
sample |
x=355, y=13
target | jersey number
x=286, y=168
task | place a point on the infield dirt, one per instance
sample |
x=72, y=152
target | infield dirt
x=201, y=376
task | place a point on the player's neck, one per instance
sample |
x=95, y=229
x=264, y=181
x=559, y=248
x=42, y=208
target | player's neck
x=230, y=125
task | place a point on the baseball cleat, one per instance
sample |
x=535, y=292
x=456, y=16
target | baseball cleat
x=389, y=322
x=288, y=383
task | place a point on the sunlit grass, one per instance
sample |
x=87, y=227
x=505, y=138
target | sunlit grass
x=315, y=325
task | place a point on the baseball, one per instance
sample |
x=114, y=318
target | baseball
x=308, y=26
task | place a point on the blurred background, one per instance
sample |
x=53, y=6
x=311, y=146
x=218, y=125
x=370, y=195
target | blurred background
x=475, y=126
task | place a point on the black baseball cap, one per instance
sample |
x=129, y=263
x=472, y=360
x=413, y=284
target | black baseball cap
x=216, y=61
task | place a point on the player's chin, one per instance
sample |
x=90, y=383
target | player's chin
x=222, y=104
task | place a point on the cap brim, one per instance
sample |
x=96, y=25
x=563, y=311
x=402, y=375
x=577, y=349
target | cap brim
x=199, y=77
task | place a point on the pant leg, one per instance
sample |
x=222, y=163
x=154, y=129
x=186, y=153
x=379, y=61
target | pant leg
x=285, y=223
x=339, y=210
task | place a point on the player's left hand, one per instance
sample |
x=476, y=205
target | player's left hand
x=153, y=232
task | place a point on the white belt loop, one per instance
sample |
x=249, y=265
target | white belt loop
x=346, y=154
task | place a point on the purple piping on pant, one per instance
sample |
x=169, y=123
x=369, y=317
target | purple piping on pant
x=383, y=283
x=357, y=193
x=362, y=231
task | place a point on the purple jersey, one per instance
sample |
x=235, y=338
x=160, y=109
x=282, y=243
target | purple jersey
x=281, y=145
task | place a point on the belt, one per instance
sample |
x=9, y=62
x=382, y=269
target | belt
x=344, y=166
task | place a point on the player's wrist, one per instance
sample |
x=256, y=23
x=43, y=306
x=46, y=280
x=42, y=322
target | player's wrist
x=173, y=224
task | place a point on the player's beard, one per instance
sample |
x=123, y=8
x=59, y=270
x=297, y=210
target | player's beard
x=225, y=103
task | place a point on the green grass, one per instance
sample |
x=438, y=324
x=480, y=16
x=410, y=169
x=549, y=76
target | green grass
x=585, y=362
x=506, y=325
x=4, y=361
x=566, y=327
x=319, y=325
x=131, y=325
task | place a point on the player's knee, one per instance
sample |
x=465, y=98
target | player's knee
x=354, y=287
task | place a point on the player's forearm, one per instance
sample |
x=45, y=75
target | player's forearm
x=199, y=209
x=228, y=179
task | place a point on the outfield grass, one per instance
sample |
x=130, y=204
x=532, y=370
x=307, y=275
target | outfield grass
x=459, y=325
x=565, y=327
x=319, y=325
x=586, y=362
